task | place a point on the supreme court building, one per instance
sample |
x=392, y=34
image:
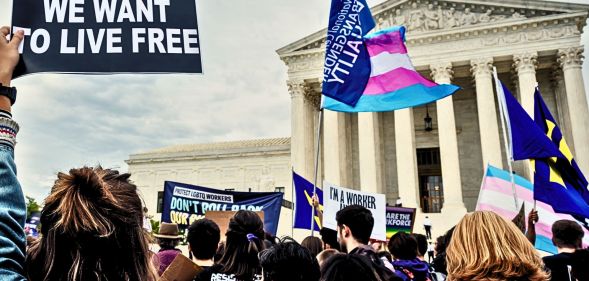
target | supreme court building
x=435, y=167
x=438, y=167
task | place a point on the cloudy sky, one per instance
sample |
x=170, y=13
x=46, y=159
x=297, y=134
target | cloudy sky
x=72, y=120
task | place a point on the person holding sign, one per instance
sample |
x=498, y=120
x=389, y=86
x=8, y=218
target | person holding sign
x=354, y=226
x=92, y=221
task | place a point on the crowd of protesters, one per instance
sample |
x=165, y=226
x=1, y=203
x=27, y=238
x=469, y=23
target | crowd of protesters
x=92, y=228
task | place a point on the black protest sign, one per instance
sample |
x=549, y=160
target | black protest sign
x=108, y=36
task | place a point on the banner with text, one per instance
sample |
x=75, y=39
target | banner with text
x=107, y=36
x=336, y=198
x=399, y=220
x=185, y=203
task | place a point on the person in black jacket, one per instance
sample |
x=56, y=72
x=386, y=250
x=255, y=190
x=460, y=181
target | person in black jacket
x=567, y=236
x=355, y=225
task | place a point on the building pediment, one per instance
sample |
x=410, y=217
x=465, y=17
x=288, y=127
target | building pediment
x=433, y=18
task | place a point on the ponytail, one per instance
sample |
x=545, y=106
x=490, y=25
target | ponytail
x=252, y=249
x=244, y=241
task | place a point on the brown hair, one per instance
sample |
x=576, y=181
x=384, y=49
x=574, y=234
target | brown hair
x=245, y=236
x=91, y=229
x=486, y=247
x=313, y=244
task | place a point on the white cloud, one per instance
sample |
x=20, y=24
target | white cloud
x=73, y=120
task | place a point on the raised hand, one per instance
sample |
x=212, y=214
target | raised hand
x=9, y=55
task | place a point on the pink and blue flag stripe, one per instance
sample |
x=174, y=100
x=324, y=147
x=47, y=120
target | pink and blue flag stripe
x=497, y=196
x=394, y=83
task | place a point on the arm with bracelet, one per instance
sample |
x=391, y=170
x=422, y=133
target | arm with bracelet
x=12, y=201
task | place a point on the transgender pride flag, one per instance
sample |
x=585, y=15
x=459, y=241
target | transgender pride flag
x=497, y=196
x=393, y=83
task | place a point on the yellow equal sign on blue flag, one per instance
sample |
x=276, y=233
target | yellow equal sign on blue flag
x=303, y=203
x=558, y=181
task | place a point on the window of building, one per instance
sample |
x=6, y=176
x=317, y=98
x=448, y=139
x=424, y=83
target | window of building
x=160, y=202
x=431, y=187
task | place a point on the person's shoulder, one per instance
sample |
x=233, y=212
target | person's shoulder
x=558, y=260
x=207, y=272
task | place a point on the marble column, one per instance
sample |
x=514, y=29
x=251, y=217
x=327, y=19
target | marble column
x=336, y=159
x=408, y=182
x=564, y=116
x=525, y=65
x=371, y=152
x=302, y=130
x=450, y=160
x=488, y=126
x=571, y=60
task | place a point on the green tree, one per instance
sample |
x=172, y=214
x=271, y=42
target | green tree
x=32, y=206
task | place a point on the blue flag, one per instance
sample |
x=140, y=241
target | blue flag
x=558, y=181
x=347, y=64
x=303, y=203
x=528, y=141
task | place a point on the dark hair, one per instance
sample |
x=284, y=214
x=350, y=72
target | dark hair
x=167, y=244
x=567, y=233
x=348, y=268
x=403, y=246
x=421, y=243
x=92, y=229
x=439, y=262
x=313, y=244
x=245, y=238
x=289, y=261
x=358, y=219
x=203, y=238
x=220, y=252
x=329, y=237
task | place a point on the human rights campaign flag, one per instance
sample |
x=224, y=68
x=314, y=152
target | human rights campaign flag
x=393, y=83
x=527, y=141
x=347, y=65
x=303, y=203
x=558, y=181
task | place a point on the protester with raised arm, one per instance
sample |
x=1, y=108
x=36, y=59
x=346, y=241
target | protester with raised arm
x=12, y=202
x=91, y=222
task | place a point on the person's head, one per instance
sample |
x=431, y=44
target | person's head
x=245, y=238
x=325, y=255
x=421, y=244
x=354, y=225
x=348, y=268
x=485, y=246
x=567, y=234
x=440, y=246
x=168, y=236
x=403, y=246
x=203, y=239
x=329, y=238
x=92, y=229
x=313, y=244
x=289, y=261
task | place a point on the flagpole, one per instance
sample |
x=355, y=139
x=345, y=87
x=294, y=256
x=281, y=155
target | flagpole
x=319, y=125
x=506, y=141
x=292, y=210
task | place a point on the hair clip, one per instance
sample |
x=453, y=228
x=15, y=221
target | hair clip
x=251, y=237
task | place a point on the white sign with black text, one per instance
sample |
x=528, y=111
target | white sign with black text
x=336, y=198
